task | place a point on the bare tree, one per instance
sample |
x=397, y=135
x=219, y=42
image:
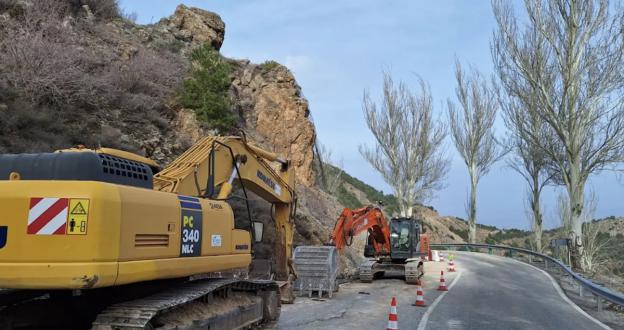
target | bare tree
x=473, y=134
x=580, y=92
x=518, y=103
x=409, y=149
x=330, y=176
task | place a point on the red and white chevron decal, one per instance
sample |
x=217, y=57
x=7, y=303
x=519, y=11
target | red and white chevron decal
x=47, y=216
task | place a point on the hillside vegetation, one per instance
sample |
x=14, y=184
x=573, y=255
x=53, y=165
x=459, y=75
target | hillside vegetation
x=64, y=68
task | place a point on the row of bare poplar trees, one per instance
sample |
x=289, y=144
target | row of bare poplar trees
x=559, y=83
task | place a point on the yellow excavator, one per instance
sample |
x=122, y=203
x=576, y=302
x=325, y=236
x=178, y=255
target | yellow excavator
x=101, y=238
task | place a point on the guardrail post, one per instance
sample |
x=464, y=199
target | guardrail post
x=489, y=250
x=580, y=290
x=545, y=263
x=530, y=259
x=599, y=303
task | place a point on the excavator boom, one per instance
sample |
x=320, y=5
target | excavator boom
x=351, y=223
x=210, y=168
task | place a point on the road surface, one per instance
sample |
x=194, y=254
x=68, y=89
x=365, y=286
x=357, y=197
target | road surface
x=501, y=293
x=491, y=293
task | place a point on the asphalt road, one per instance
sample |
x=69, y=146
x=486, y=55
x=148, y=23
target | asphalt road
x=500, y=293
x=491, y=293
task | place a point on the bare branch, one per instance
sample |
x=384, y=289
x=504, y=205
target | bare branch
x=409, y=149
x=328, y=171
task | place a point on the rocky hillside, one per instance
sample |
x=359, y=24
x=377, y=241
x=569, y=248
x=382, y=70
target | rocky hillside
x=77, y=72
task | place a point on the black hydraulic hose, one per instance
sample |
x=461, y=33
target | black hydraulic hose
x=210, y=183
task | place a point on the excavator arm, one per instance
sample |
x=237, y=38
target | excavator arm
x=210, y=168
x=354, y=222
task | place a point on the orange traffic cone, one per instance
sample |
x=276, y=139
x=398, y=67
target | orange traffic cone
x=393, y=318
x=420, y=296
x=442, y=286
x=451, y=266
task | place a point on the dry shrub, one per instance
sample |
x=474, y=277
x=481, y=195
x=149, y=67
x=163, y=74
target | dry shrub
x=101, y=9
x=7, y=5
x=63, y=82
x=44, y=71
x=149, y=73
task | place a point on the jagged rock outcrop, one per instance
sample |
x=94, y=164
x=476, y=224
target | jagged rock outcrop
x=196, y=26
x=267, y=98
x=270, y=102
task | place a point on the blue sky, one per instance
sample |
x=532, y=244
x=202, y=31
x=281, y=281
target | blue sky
x=336, y=49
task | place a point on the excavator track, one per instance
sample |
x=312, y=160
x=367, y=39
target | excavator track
x=371, y=267
x=411, y=272
x=140, y=313
x=216, y=303
x=366, y=271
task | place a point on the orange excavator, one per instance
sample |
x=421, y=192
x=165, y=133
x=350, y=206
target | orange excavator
x=392, y=246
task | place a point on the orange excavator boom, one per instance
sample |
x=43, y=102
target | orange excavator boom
x=353, y=222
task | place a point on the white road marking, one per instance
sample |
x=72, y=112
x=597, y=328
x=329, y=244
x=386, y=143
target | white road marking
x=564, y=297
x=422, y=325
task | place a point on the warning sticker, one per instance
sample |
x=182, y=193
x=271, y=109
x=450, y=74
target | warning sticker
x=78, y=216
x=47, y=216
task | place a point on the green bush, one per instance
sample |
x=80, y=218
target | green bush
x=391, y=204
x=269, y=65
x=507, y=234
x=490, y=240
x=459, y=232
x=487, y=227
x=206, y=90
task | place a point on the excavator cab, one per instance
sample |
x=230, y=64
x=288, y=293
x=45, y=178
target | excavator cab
x=404, y=238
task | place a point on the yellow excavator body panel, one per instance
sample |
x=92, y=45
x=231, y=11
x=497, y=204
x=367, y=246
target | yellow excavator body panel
x=87, y=234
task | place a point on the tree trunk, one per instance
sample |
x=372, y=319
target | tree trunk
x=537, y=214
x=576, y=188
x=472, y=207
x=537, y=230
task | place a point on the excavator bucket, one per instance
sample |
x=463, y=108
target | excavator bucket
x=317, y=268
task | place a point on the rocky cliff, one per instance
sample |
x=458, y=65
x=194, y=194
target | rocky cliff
x=113, y=82
x=267, y=98
x=108, y=81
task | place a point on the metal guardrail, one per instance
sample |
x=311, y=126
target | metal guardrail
x=598, y=290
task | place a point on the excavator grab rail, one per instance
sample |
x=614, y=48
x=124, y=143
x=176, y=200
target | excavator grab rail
x=596, y=289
